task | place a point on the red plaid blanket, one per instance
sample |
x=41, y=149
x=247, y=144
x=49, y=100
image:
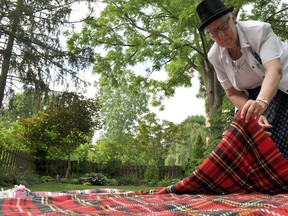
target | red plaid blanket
x=244, y=175
x=246, y=160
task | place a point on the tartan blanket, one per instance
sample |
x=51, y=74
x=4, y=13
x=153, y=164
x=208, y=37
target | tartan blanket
x=245, y=175
x=245, y=161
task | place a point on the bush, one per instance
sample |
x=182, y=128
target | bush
x=47, y=179
x=132, y=181
x=152, y=172
x=6, y=180
x=29, y=178
x=74, y=181
x=94, y=179
x=192, y=165
x=15, y=176
x=168, y=181
x=113, y=182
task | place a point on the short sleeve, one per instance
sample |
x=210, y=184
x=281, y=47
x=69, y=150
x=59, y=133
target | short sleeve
x=270, y=47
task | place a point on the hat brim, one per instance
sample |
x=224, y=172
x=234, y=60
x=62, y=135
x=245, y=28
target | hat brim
x=214, y=17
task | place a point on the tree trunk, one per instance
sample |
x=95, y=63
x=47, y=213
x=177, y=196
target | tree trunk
x=214, y=90
x=8, y=50
x=69, y=164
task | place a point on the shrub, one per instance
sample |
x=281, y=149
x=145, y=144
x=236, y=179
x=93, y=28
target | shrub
x=130, y=181
x=29, y=178
x=16, y=176
x=74, y=181
x=113, y=182
x=94, y=179
x=192, y=165
x=47, y=179
x=6, y=180
x=168, y=181
x=152, y=172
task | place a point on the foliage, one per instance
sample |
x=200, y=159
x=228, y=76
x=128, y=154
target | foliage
x=16, y=176
x=151, y=141
x=112, y=168
x=154, y=139
x=82, y=151
x=94, y=179
x=131, y=181
x=152, y=172
x=62, y=127
x=108, y=151
x=68, y=122
x=191, y=127
x=10, y=135
x=168, y=181
x=32, y=56
x=219, y=122
x=198, y=148
x=47, y=179
x=24, y=104
x=192, y=165
x=197, y=154
x=6, y=179
x=121, y=106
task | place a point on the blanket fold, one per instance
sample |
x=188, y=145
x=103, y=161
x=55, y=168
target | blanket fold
x=246, y=160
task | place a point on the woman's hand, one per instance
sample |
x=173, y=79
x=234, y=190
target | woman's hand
x=253, y=108
x=264, y=123
x=256, y=108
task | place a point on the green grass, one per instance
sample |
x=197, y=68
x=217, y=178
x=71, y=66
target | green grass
x=58, y=187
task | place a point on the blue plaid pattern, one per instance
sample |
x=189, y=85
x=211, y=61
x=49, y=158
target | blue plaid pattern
x=277, y=115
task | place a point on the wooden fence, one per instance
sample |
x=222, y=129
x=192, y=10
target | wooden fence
x=138, y=172
x=10, y=160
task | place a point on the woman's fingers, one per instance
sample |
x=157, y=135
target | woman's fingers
x=253, y=108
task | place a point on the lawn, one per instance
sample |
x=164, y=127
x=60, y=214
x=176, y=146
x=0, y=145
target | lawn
x=57, y=187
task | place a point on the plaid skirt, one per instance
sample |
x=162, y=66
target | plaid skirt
x=277, y=116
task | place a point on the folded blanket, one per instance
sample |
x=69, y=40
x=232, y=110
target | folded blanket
x=246, y=160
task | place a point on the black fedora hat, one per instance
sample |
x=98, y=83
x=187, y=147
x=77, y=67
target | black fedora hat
x=210, y=10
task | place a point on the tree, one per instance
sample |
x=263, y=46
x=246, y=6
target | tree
x=162, y=35
x=69, y=121
x=187, y=131
x=151, y=140
x=121, y=106
x=31, y=52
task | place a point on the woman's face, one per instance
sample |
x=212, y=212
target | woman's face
x=223, y=31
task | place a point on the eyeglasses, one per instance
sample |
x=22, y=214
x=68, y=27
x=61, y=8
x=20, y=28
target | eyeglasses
x=222, y=27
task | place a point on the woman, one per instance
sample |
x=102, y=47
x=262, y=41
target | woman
x=251, y=64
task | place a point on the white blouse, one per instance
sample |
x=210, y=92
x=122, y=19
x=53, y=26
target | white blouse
x=256, y=39
x=245, y=77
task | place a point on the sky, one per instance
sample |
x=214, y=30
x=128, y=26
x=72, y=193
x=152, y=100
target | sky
x=184, y=103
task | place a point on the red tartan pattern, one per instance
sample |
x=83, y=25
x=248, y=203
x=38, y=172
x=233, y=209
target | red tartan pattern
x=245, y=161
x=244, y=175
x=150, y=204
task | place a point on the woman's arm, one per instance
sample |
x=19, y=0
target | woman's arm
x=238, y=98
x=273, y=71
